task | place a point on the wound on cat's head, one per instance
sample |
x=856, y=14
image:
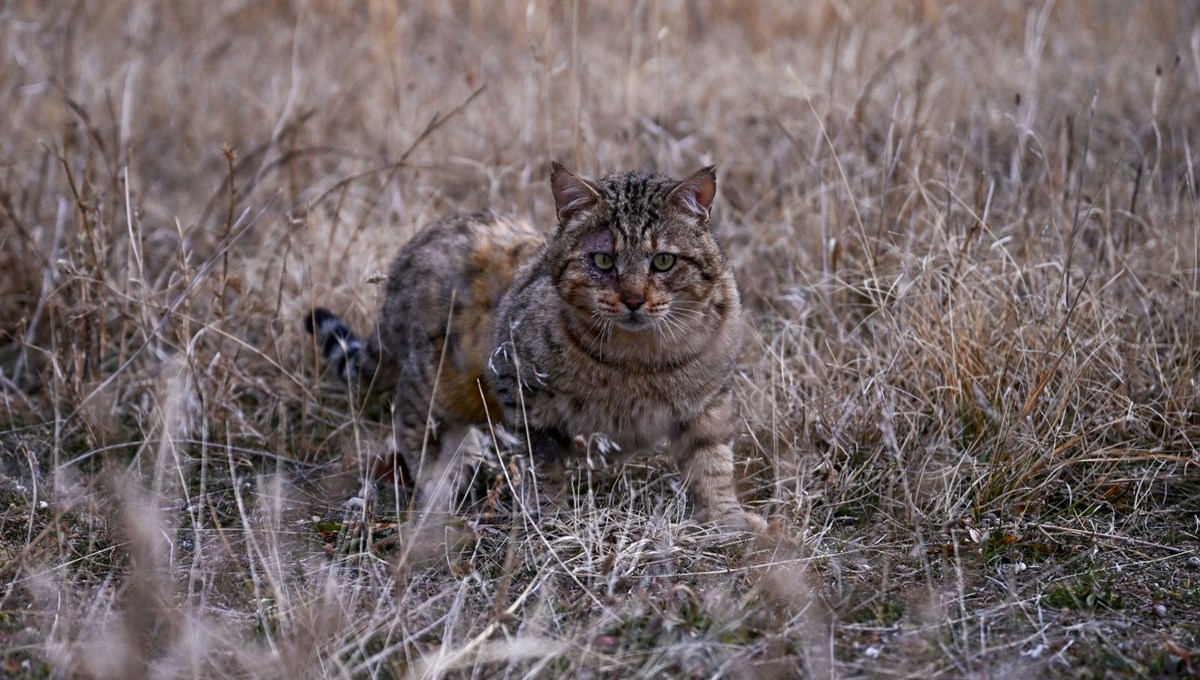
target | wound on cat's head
x=634, y=251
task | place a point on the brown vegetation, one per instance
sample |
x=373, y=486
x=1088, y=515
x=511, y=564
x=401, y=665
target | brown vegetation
x=967, y=240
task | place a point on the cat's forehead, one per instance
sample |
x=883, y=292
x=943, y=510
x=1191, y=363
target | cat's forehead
x=636, y=202
x=635, y=194
x=636, y=186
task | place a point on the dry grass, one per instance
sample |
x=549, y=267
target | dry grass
x=967, y=237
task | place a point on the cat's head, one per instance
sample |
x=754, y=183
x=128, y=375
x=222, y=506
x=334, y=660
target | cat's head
x=634, y=252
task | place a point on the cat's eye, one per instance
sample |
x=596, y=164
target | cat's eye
x=662, y=262
x=603, y=261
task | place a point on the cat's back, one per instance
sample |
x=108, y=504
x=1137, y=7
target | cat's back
x=450, y=277
x=470, y=256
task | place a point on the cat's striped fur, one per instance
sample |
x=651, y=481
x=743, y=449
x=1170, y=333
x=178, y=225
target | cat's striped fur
x=464, y=261
x=624, y=323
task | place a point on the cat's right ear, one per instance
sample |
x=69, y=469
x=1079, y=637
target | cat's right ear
x=572, y=193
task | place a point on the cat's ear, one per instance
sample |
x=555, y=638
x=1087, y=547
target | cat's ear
x=572, y=193
x=695, y=194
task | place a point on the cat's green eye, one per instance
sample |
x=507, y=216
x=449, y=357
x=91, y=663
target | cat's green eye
x=603, y=261
x=662, y=262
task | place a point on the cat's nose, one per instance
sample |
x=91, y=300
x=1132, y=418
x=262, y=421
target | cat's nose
x=633, y=300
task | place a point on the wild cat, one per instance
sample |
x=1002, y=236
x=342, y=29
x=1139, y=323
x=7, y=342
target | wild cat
x=624, y=323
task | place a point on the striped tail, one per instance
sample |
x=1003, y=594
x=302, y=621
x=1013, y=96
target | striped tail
x=345, y=353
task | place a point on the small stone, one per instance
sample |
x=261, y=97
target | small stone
x=1160, y=611
x=1035, y=653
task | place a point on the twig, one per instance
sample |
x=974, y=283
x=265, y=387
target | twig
x=436, y=122
x=201, y=275
x=1113, y=537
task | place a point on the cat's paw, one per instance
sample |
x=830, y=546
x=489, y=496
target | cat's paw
x=736, y=522
x=755, y=524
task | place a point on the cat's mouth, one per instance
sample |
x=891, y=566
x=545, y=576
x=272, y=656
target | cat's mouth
x=635, y=320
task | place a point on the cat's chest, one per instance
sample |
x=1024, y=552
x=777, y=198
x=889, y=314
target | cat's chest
x=635, y=410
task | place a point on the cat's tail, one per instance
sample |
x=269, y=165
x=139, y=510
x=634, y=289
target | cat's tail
x=353, y=360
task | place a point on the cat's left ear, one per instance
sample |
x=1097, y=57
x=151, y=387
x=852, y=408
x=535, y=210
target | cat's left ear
x=695, y=194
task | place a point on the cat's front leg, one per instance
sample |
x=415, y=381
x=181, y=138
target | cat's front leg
x=548, y=448
x=701, y=449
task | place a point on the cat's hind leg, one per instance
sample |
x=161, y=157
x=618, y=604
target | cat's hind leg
x=441, y=477
x=397, y=467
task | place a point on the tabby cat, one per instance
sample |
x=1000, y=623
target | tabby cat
x=625, y=323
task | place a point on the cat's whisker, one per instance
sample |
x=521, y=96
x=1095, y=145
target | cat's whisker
x=685, y=310
x=603, y=325
x=672, y=325
x=664, y=323
x=690, y=316
x=671, y=315
x=690, y=324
